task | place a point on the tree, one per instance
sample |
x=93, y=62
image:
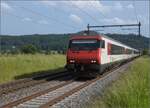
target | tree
x=29, y=49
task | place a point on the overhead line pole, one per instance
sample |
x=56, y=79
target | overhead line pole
x=121, y=25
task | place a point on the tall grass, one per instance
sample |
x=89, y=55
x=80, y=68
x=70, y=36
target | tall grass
x=15, y=65
x=132, y=90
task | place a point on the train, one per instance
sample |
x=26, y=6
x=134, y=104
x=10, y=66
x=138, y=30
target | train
x=90, y=53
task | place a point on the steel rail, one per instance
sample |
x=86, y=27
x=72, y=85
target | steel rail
x=17, y=102
x=14, y=86
x=58, y=99
x=54, y=101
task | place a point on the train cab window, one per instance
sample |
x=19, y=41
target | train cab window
x=85, y=44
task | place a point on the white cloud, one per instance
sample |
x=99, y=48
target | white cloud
x=49, y=3
x=114, y=20
x=43, y=22
x=75, y=18
x=117, y=20
x=27, y=19
x=118, y=6
x=130, y=6
x=5, y=6
x=88, y=5
x=91, y=5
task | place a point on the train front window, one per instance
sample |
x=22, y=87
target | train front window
x=84, y=44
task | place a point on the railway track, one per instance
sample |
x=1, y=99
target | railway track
x=24, y=83
x=53, y=95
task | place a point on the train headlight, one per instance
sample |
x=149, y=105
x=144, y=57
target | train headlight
x=93, y=61
x=72, y=61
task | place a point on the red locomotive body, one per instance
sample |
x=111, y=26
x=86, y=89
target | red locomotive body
x=84, y=53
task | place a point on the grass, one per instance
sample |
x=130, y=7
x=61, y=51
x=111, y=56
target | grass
x=17, y=65
x=132, y=90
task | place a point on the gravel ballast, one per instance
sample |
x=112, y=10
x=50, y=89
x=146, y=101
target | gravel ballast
x=4, y=99
x=80, y=98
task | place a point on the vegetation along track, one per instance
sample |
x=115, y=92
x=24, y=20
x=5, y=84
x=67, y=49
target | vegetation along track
x=53, y=95
x=24, y=83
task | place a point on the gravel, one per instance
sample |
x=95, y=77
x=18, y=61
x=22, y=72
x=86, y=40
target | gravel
x=6, y=98
x=80, y=98
x=37, y=102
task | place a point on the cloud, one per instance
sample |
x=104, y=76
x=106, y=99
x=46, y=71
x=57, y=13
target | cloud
x=85, y=5
x=49, y=3
x=5, y=6
x=27, y=19
x=91, y=6
x=118, y=6
x=130, y=6
x=117, y=20
x=114, y=20
x=43, y=22
x=75, y=18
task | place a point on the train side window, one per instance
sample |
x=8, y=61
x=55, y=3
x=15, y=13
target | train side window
x=115, y=50
x=102, y=44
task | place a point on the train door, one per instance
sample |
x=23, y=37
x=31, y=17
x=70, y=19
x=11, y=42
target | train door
x=104, y=52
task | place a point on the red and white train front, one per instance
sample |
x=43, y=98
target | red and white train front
x=84, y=53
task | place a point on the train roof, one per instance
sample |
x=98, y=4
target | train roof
x=86, y=35
x=96, y=35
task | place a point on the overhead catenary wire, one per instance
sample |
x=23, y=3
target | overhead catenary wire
x=19, y=17
x=135, y=12
x=103, y=15
x=61, y=10
x=130, y=29
x=14, y=15
x=48, y=17
x=100, y=13
x=65, y=25
x=83, y=11
x=22, y=19
x=97, y=9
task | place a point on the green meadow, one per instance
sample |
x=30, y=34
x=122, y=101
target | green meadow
x=12, y=66
x=131, y=90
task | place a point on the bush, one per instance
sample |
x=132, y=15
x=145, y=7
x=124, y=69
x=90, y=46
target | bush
x=29, y=49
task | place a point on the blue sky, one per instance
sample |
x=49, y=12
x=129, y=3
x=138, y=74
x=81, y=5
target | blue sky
x=43, y=17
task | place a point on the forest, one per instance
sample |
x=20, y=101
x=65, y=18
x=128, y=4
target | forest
x=58, y=42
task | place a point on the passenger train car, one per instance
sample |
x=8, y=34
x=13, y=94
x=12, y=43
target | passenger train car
x=90, y=53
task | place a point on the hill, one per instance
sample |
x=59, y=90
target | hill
x=59, y=42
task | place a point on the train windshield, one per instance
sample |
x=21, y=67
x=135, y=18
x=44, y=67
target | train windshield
x=84, y=44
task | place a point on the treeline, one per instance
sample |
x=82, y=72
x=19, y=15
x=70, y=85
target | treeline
x=57, y=43
x=53, y=43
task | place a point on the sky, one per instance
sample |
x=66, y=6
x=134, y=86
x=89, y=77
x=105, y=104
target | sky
x=22, y=17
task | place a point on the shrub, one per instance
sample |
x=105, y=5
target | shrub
x=29, y=49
